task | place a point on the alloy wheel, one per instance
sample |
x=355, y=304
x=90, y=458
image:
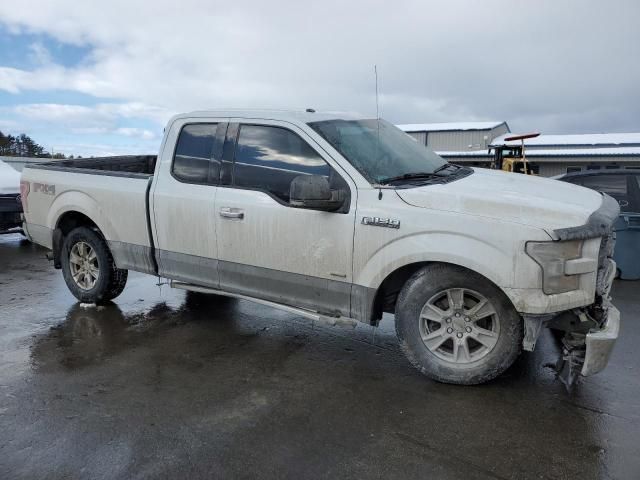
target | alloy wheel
x=84, y=265
x=459, y=325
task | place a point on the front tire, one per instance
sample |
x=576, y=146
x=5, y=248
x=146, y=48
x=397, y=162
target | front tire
x=455, y=326
x=88, y=267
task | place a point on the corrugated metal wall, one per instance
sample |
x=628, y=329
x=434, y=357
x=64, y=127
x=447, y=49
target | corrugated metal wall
x=499, y=130
x=463, y=140
x=421, y=137
x=459, y=141
x=552, y=169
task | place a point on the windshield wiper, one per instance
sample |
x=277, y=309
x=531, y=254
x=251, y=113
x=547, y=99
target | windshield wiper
x=445, y=167
x=409, y=176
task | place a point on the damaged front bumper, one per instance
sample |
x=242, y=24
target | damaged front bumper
x=599, y=344
x=587, y=344
x=590, y=333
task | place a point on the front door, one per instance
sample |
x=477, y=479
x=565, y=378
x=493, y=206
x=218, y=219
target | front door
x=183, y=202
x=267, y=248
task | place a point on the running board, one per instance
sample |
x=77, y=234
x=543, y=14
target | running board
x=310, y=314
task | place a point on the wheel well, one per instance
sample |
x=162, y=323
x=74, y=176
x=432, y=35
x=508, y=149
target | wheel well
x=388, y=291
x=67, y=222
x=70, y=220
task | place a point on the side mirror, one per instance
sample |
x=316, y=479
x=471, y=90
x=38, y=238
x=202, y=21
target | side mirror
x=313, y=192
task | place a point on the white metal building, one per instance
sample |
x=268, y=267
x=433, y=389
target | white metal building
x=462, y=136
x=549, y=155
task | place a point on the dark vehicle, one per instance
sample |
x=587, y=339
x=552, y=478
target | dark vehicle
x=10, y=204
x=624, y=186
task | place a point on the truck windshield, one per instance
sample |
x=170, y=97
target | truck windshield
x=379, y=150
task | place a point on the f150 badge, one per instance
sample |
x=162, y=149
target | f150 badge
x=381, y=222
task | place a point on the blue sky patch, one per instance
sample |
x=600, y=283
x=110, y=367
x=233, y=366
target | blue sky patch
x=17, y=51
x=49, y=96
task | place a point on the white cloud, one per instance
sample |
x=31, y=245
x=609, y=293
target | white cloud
x=52, y=112
x=7, y=125
x=135, y=132
x=102, y=150
x=101, y=115
x=66, y=128
x=39, y=54
x=540, y=65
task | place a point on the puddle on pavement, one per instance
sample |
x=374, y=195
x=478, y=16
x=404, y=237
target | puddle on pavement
x=90, y=334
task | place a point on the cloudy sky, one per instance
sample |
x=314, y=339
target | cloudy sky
x=96, y=77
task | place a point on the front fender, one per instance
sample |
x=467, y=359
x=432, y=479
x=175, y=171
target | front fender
x=492, y=261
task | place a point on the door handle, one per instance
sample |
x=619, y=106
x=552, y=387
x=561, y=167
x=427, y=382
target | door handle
x=227, y=212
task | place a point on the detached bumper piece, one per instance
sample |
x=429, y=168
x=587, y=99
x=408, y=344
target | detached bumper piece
x=599, y=344
x=590, y=333
x=588, y=353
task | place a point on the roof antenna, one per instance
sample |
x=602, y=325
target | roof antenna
x=375, y=72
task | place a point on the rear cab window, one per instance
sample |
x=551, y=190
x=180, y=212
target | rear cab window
x=192, y=160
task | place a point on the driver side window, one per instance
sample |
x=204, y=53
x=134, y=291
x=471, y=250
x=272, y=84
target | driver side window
x=268, y=158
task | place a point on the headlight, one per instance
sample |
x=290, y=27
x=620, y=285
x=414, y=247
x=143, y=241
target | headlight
x=558, y=261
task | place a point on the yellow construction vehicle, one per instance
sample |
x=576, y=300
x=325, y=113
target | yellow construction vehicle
x=512, y=158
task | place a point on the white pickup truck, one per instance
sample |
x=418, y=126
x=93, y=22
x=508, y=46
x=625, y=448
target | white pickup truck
x=337, y=216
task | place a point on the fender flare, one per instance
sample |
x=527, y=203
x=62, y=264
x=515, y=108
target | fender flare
x=436, y=247
x=77, y=201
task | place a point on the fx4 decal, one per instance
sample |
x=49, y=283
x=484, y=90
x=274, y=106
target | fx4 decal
x=44, y=188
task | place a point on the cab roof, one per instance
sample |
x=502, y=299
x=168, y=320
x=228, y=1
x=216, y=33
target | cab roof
x=293, y=116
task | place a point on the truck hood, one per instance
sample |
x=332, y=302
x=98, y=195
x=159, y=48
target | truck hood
x=535, y=201
x=9, y=179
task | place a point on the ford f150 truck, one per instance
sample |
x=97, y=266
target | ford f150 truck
x=336, y=216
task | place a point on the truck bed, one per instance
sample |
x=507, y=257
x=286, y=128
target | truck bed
x=124, y=165
x=113, y=192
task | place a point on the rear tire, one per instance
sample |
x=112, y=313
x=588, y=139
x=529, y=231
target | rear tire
x=455, y=326
x=88, y=267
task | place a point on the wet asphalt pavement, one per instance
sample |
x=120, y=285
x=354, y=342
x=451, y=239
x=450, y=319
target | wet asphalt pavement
x=167, y=384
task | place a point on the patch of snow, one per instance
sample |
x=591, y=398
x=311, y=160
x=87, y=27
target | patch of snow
x=557, y=152
x=587, y=140
x=448, y=126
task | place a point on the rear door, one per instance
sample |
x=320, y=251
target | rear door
x=267, y=248
x=183, y=201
